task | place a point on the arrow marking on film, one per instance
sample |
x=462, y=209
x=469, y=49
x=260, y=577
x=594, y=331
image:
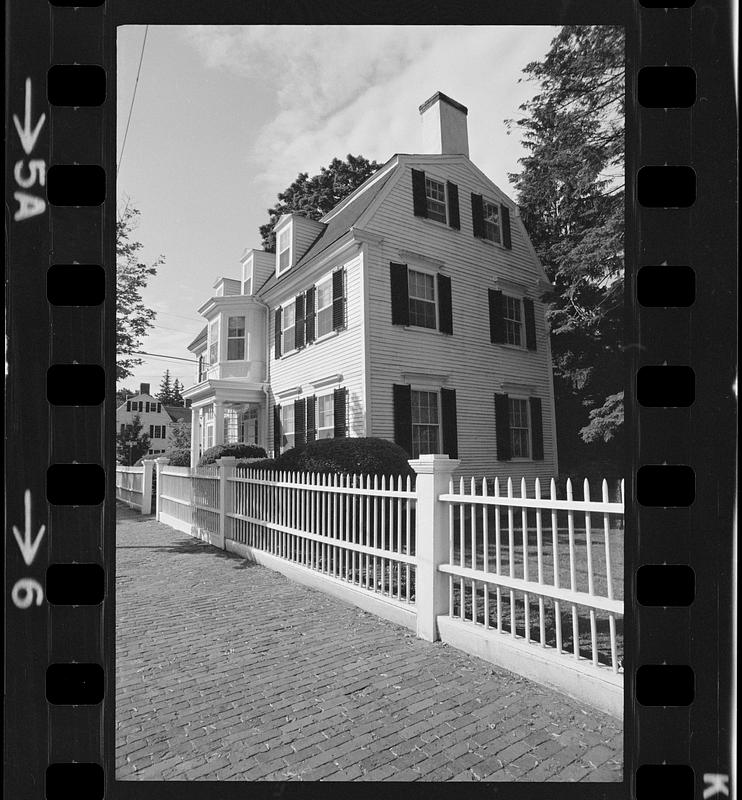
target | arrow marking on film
x=27, y=543
x=28, y=136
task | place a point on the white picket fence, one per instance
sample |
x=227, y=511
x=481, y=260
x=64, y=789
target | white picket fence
x=134, y=486
x=525, y=580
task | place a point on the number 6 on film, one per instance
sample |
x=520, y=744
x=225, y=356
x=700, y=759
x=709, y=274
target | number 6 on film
x=24, y=592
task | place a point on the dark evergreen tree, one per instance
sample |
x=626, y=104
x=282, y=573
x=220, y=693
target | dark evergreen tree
x=177, y=397
x=165, y=395
x=314, y=197
x=571, y=196
x=131, y=443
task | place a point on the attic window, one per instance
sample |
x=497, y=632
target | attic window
x=491, y=215
x=284, y=250
x=435, y=195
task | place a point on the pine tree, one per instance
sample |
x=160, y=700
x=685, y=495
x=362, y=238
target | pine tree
x=314, y=197
x=165, y=395
x=131, y=443
x=177, y=397
x=571, y=196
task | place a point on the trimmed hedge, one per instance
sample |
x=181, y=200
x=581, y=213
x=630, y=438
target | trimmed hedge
x=180, y=457
x=237, y=449
x=348, y=456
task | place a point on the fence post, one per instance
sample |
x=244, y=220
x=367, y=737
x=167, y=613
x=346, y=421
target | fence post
x=431, y=540
x=148, y=464
x=226, y=468
x=159, y=464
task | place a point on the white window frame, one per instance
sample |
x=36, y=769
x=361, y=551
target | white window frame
x=214, y=342
x=437, y=393
x=434, y=301
x=528, y=429
x=287, y=420
x=321, y=430
x=485, y=222
x=288, y=344
x=283, y=245
x=325, y=283
x=431, y=179
x=506, y=320
x=242, y=338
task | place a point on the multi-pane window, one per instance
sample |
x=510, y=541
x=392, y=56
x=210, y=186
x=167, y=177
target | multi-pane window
x=421, y=289
x=287, y=424
x=214, y=342
x=284, y=249
x=325, y=417
x=156, y=431
x=231, y=425
x=236, y=339
x=513, y=319
x=288, y=327
x=491, y=221
x=435, y=198
x=323, y=300
x=425, y=423
x=519, y=431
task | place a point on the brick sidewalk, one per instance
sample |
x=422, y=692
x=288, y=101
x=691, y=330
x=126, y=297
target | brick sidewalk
x=227, y=670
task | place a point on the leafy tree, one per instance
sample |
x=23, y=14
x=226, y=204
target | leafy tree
x=177, y=398
x=165, y=395
x=571, y=196
x=131, y=443
x=180, y=436
x=122, y=395
x=314, y=197
x=133, y=318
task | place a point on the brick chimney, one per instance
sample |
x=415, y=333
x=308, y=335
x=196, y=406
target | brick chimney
x=444, y=126
x=143, y=388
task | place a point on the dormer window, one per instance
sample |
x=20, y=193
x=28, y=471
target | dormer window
x=283, y=247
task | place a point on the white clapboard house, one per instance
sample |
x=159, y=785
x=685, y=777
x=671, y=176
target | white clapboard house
x=410, y=312
x=157, y=419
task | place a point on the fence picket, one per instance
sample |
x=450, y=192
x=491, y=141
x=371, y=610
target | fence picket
x=573, y=572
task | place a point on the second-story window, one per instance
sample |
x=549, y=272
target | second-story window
x=324, y=307
x=513, y=320
x=422, y=299
x=201, y=369
x=214, y=342
x=236, y=339
x=283, y=246
x=435, y=196
x=288, y=327
x=491, y=214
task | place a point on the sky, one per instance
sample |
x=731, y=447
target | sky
x=224, y=118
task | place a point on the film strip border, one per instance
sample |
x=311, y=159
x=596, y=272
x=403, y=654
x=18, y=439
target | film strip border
x=678, y=681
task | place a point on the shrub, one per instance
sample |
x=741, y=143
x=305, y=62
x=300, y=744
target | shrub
x=180, y=457
x=237, y=449
x=351, y=456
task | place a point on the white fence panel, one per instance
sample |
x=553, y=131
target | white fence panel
x=129, y=486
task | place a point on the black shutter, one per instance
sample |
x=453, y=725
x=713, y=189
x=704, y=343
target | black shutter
x=477, y=215
x=497, y=326
x=445, y=312
x=505, y=217
x=537, y=430
x=300, y=422
x=340, y=404
x=276, y=430
x=277, y=333
x=299, y=329
x=338, y=299
x=419, y=201
x=530, y=320
x=452, y=191
x=309, y=315
x=448, y=421
x=502, y=427
x=400, y=294
x=311, y=419
x=403, y=416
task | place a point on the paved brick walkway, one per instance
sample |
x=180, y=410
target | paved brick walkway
x=227, y=670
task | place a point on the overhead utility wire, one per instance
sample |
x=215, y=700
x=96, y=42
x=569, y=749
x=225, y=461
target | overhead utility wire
x=163, y=355
x=134, y=94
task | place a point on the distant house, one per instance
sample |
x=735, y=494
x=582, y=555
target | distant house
x=411, y=311
x=156, y=418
